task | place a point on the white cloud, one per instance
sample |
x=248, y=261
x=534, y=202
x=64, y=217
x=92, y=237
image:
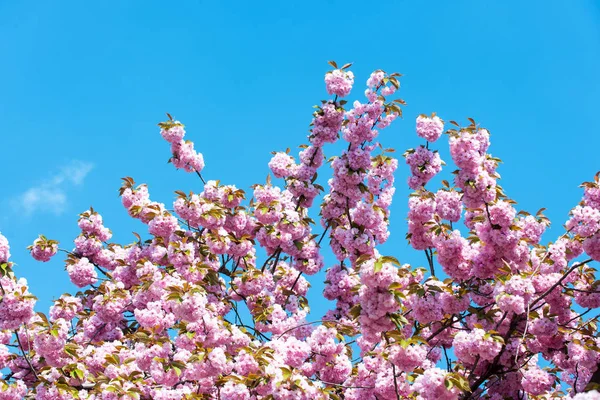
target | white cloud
x=76, y=171
x=43, y=199
x=51, y=195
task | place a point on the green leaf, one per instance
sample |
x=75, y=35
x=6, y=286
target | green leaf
x=286, y=372
x=448, y=384
x=390, y=259
x=79, y=373
x=378, y=266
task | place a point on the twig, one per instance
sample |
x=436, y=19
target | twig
x=25, y=356
x=201, y=178
x=547, y=292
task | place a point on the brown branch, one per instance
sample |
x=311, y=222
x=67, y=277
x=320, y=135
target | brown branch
x=547, y=292
x=25, y=356
x=494, y=364
x=200, y=176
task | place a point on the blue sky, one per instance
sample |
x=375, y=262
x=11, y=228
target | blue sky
x=85, y=84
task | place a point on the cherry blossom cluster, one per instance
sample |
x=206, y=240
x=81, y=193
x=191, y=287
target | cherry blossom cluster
x=522, y=296
x=210, y=300
x=184, y=156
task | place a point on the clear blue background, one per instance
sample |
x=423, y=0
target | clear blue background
x=89, y=82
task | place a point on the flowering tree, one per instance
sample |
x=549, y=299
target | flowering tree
x=193, y=311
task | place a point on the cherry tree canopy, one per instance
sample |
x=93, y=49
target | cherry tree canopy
x=210, y=302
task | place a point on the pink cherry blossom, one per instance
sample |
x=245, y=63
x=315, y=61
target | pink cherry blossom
x=210, y=299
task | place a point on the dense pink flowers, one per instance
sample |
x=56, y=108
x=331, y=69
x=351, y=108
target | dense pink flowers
x=585, y=221
x=477, y=174
x=455, y=255
x=326, y=124
x=375, y=78
x=12, y=391
x=210, y=299
x=448, y=205
x=17, y=303
x=173, y=133
x=4, y=249
x=82, y=272
x=282, y=165
x=429, y=128
x=424, y=165
x=469, y=147
x=186, y=158
x=476, y=344
x=536, y=381
x=43, y=249
x=184, y=155
x=591, y=246
x=339, y=82
x=514, y=295
x=163, y=225
x=431, y=385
